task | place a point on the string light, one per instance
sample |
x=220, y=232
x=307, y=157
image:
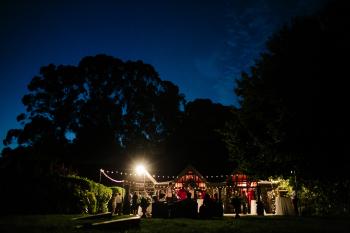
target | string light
x=124, y=173
x=117, y=181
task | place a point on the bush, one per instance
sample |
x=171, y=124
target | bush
x=92, y=207
x=53, y=194
x=104, y=194
x=324, y=198
x=96, y=203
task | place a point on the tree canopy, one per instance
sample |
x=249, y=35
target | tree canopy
x=95, y=111
x=293, y=113
x=198, y=140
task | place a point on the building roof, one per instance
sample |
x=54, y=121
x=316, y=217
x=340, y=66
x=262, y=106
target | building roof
x=188, y=169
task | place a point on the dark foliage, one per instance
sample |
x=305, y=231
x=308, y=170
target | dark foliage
x=293, y=114
x=197, y=140
x=52, y=194
x=91, y=115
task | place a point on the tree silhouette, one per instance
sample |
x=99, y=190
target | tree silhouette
x=92, y=113
x=293, y=112
x=197, y=140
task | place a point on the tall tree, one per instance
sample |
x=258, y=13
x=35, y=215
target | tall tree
x=94, y=112
x=293, y=113
x=198, y=141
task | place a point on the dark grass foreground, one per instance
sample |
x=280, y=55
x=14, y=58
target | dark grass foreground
x=64, y=223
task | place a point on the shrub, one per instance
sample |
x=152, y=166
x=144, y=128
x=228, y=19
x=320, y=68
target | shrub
x=104, y=194
x=96, y=203
x=53, y=194
x=325, y=198
x=92, y=208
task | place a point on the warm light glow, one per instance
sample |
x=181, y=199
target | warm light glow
x=140, y=169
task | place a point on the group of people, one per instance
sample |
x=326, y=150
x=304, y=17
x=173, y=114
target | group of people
x=134, y=200
x=183, y=203
x=139, y=199
x=171, y=203
x=211, y=207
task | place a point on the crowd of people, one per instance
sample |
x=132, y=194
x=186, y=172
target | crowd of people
x=170, y=203
x=187, y=202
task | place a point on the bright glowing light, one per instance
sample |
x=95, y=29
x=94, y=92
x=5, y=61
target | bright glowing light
x=140, y=169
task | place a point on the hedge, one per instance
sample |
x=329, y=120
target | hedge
x=53, y=194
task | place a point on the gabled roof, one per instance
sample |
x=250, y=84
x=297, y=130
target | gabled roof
x=195, y=172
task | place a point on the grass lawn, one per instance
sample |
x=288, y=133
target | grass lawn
x=64, y=223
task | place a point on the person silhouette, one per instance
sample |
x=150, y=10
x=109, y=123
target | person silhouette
x=135, y=203
x=169, y=193
x=119, y=201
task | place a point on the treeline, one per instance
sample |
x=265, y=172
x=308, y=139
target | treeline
x=106, y=113
x=293, y=118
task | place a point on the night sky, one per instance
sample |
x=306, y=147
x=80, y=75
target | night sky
x=200, y=45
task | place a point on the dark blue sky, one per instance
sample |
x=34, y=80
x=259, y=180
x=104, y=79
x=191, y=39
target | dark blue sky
x=199, y=45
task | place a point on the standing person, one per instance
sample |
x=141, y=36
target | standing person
x=216, y=198
x=259, y=203
x=191, y=190
x=119, y=201
x=135, y=204
x=114, y=203
x=251, y=197
x=169, y=200
x=217, y=206
x=182, y=194
x=188, y=207
x=169, y=193
x=127, y=200
x=244, y=200
x=162, y=197
x=206, y=209
x=295, y=202
x=236, y=201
